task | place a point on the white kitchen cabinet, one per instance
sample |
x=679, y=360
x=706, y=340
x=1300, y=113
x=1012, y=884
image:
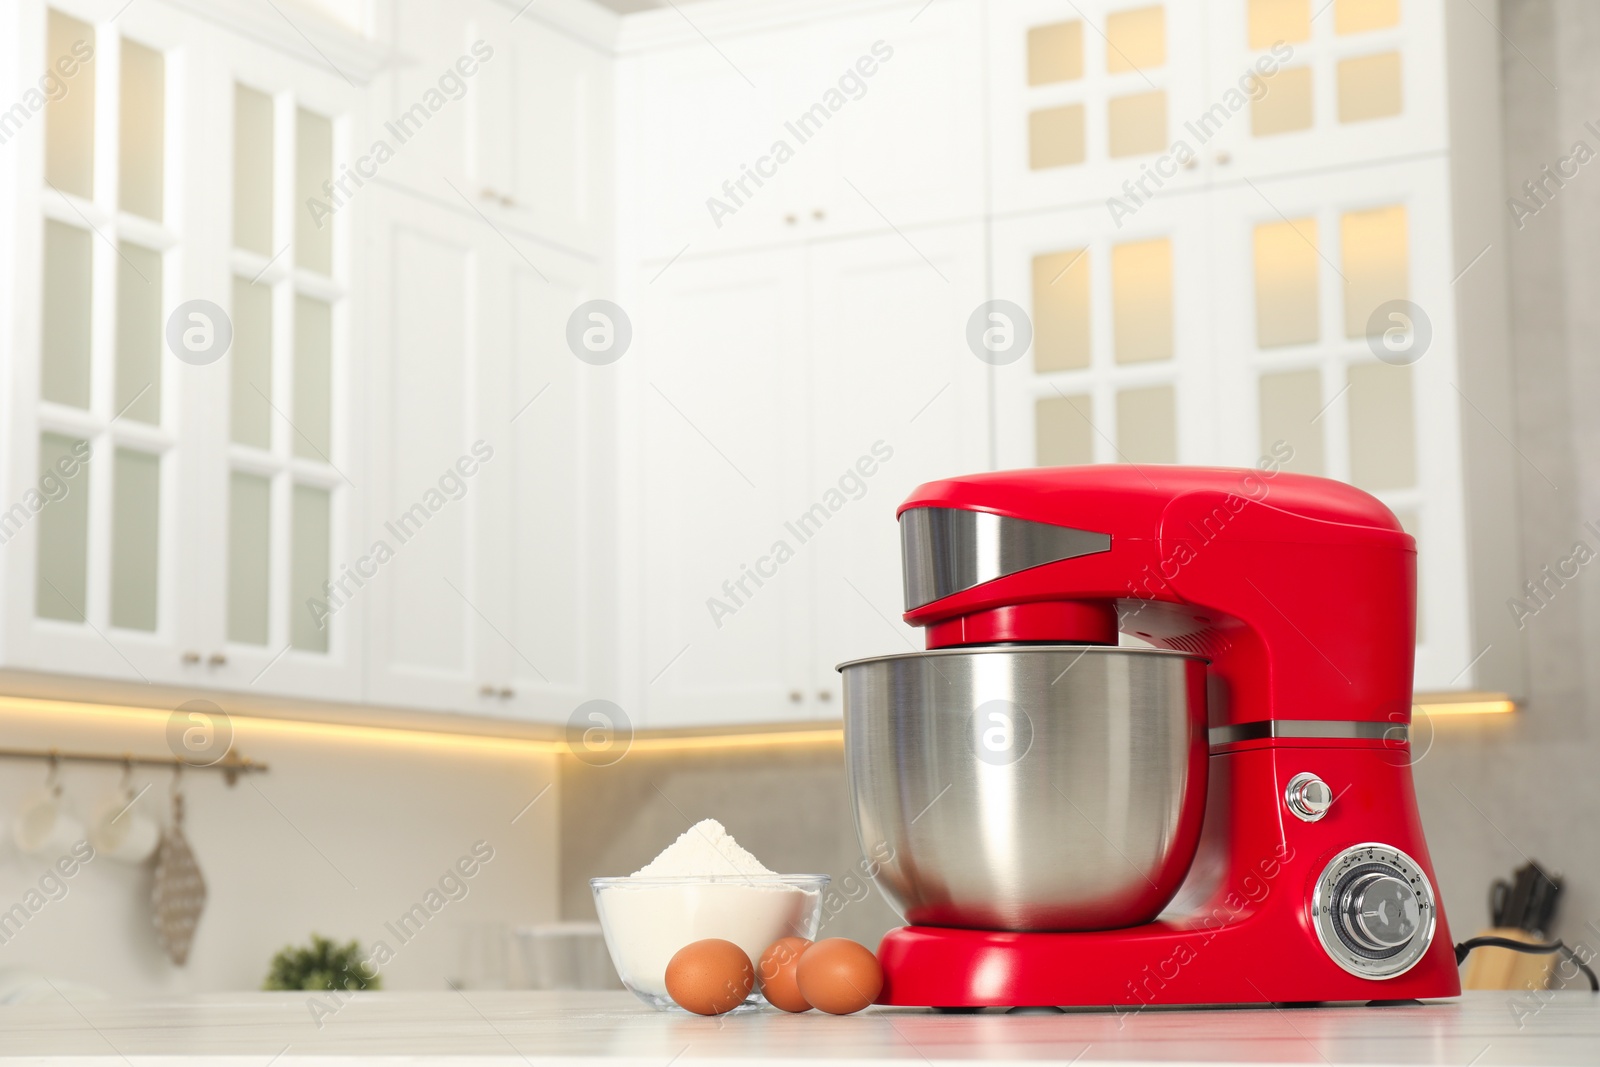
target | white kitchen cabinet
x=130, y=569
x=503, y=108
x=482, y=489
x=714, y=468
x=1085, y=97
x=800, y=425
x=1356, y=81
x=540, y=154
x=438, y=355
x=842, y=122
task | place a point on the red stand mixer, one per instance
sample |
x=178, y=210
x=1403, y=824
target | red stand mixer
x=1222, y=813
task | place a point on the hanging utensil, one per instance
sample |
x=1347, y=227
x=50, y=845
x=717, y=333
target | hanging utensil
x=179, y=895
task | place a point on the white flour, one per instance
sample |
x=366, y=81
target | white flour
x=704, y=849
x=647, y=921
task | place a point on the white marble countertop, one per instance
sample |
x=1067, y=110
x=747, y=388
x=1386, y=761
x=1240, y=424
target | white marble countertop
x=494, y=1028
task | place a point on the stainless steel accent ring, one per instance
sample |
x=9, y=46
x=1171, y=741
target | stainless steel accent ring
x=1316, y=729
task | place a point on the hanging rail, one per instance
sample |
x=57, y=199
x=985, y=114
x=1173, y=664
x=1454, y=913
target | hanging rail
x=232, y=765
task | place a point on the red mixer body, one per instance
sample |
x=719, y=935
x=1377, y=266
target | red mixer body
x=1301, y=592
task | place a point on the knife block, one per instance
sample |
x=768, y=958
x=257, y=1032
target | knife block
x=1501, y=968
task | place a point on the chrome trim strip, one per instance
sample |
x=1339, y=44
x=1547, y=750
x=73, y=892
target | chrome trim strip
x=1397, y=732
x=947, y=550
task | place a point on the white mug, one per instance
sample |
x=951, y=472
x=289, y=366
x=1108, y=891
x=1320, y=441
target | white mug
x=119, y=830
x=42, y=824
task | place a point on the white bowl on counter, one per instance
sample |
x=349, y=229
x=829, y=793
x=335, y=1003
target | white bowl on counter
x=647, y=920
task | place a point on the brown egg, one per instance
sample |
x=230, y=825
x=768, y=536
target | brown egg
x=776, y=972
x=839, y=976
x=710, y=977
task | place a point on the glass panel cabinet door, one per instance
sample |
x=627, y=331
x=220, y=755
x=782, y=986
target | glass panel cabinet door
x=1336, y=357
x=1329, y=82
x=95, y=541
x=1095, y=100
x=1120, y=366
x=287, y=622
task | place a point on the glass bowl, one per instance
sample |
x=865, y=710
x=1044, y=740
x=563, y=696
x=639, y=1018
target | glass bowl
x=647, y=920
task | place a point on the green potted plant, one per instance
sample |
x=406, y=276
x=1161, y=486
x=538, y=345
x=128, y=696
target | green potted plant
x=321, y=965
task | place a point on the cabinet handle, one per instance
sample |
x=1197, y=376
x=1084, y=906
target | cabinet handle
x=1224, y=158
x=217, y=659
x=819, y=214
x=191, y=657
x=824, y=695
x=789, y=220
x=1191, y=163
x=498, y=197
x=507, y=693
x=486, y=691
x=795, y=696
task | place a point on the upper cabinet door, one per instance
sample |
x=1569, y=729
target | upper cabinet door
x=900, y=398
x=891, y=106
x=544, y=497
x=840, y=126
x=698, y=163
x=1324, y=83
x=540, y=153
x=714, y=440
x=1121, y=369
x=284, y=476
x=1093, y=102
x=105, y=422
x=437, y=370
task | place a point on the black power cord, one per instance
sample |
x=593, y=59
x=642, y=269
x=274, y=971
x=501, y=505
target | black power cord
x=1535, y=948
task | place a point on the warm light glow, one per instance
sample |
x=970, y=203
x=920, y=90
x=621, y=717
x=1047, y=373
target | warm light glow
x=244, y=724
x=1473, y=704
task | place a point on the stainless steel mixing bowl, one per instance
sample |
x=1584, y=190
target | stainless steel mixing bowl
x=1044, y=787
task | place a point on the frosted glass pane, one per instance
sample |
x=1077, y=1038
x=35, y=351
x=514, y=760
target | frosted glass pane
x=142, y=139
x=1061, y=311
x=1376, y=264
x=249, y=540
x=1147, y=425
x=1286, y=283
x=1285, y=106
x=1138, y=124
x=1369, y=87
x=313, y=379
x=1412, y=526
x=135, y=539
x=1136, y=40
x=1360, y=16
x=63, y=530
x=251, y=410
x=252, y=171
x=1141, y=300
x=1383, y=450
x=1063, y=435
x=313, y=236
x=309, y=555
x=64, y=347
x=69, y=115
x=1055, y=53
x=1288, y=403
x=1272, y=21
x=1055, y=137
x=139, y=333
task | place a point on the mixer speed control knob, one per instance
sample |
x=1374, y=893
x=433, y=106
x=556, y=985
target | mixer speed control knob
x=1379, y=911
x=1374, y=911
